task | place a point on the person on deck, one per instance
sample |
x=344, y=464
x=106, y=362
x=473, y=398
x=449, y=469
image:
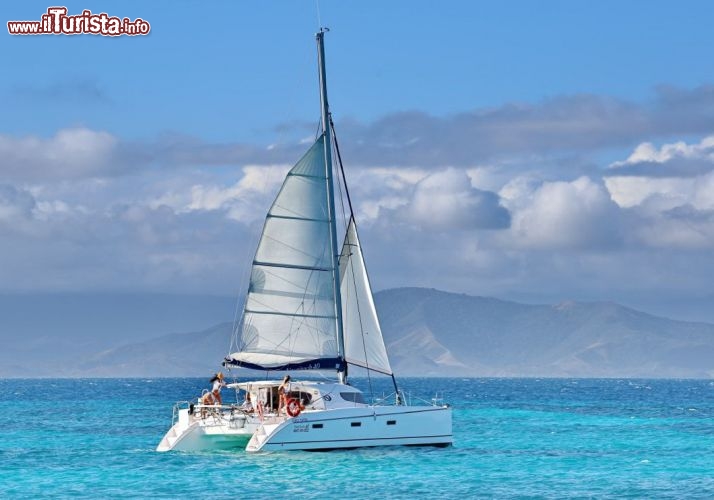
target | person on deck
x=283, y=390
x=218, y=384
x=247, y=405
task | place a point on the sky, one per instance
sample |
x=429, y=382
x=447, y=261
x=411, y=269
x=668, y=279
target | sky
x=538, y=151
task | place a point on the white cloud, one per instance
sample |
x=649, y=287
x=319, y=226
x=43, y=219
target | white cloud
x=648, y=153
x=247, y=199
x=577, y=214
x=657, y=192
x=489, y=177
x=671, y=203
x=632, y=191
x=376, y=189
x=445, y=200
x=71, y=153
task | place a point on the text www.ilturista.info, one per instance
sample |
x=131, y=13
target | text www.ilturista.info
x=57, y=22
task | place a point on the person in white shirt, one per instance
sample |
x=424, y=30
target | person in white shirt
x=247, y=405
x=218, y=384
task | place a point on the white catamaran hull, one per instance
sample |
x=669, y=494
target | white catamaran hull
x=368, y=426
x=193, y=432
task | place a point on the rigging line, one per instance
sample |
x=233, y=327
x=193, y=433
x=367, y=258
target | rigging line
x=236, y=323
x=342, y=198
x=358, y=249
x=289, y=282
x=291, y=247
x=303, y=321
x=294, y=212
x=339, y=160
x=318, y=132
x=295, y=325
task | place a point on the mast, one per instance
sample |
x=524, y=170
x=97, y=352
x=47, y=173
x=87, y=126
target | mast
x=325, y=119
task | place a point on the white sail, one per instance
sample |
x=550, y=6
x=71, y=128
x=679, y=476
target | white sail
x=364, y=345
x=289, y=319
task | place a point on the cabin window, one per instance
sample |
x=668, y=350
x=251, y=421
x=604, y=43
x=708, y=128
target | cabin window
x=356, y=424
x=353, y=397
x=317, y=426
x=391, y=422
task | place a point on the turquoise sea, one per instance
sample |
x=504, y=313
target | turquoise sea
x=541, y=438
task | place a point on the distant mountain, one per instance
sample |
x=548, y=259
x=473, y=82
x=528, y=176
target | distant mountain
x=429, y=332
x=173, y=355
x=438, y=333
x=53, y=334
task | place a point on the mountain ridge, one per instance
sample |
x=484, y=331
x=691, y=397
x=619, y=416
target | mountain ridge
x=565, y=339
x=435, y=333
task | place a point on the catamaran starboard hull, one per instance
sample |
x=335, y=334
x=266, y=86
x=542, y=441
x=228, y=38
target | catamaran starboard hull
x=347, y=428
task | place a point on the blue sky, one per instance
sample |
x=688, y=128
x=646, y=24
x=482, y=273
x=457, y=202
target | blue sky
x=238, y=69
x=535, y=150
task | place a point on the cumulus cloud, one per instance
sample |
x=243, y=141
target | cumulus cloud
x=660, y=193
x=446, y=200
x=119, y=247
x=671, y=202
x=577, y=214
x=241, y=199
x=663, y=177
x=71, y=153
x=677, y=159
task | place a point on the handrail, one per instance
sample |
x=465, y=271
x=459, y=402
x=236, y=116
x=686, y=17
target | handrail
x=177, y=407
x=197, y=407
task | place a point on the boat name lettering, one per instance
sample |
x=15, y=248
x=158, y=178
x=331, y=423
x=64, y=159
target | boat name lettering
x=313, y=366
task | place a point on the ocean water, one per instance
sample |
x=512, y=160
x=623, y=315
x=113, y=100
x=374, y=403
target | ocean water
x=549, y=438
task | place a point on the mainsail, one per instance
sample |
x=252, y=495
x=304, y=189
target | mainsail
x=364, y=344
x=289, y=319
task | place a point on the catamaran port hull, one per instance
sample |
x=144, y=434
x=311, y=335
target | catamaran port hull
x=193, y=432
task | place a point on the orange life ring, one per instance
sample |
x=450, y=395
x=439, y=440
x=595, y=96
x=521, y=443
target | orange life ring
x=293, y=407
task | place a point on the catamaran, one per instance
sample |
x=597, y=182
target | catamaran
x=309, y=306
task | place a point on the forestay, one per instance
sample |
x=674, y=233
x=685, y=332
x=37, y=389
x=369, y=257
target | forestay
x=364, y=344
x=289, y=319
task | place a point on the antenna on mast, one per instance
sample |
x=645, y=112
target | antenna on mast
x=319, y=21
